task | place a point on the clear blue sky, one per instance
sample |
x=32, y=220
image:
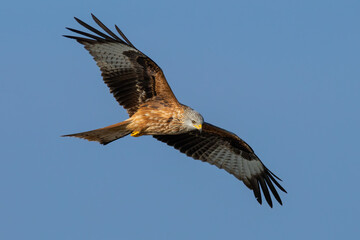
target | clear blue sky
x=283, y=75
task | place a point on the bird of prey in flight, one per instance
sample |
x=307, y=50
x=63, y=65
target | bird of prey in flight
x=139, y=85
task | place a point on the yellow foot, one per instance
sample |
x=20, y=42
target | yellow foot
x=135, y=134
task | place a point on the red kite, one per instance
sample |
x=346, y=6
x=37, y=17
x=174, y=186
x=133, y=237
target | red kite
x=139, y=85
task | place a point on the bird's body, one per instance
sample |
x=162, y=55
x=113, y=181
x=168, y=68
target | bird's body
x=158, y=117
x=139, y=85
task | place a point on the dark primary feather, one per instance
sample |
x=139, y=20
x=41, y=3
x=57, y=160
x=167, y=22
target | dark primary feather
x=133, y=78
x=226, y=150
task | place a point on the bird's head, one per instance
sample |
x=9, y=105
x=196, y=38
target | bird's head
x=193, y=120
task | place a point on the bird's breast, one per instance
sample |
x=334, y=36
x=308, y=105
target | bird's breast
x=157, y=119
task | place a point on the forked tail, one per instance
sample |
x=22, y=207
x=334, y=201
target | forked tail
x=104, y=135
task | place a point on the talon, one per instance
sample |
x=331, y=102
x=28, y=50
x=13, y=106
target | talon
x=135, y=134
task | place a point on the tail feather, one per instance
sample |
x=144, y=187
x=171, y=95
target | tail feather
x=104, y=135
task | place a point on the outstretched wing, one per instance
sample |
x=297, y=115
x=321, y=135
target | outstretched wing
x=132, y=77
x=226, y=150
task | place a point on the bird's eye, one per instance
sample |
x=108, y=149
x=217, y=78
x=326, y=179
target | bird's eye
x=193, y=121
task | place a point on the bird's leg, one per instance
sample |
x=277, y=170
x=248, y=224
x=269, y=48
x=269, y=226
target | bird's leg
x=135, y=134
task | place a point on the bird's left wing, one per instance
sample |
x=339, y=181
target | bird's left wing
x=132, y=77
x=226, y=150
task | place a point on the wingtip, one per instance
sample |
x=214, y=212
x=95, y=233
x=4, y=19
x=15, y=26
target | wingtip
x=94, y=17
x=71, y=37
x=67, y=135
x=259, y=200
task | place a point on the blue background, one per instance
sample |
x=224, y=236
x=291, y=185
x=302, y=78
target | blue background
x=283, y=75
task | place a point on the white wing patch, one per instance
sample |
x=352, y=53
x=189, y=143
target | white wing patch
x=242, y=168
x=109, y=56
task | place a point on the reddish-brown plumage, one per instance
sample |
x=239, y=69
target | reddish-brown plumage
x=157, y=117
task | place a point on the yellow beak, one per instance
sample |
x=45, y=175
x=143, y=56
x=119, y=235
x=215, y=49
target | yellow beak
x=198, y=126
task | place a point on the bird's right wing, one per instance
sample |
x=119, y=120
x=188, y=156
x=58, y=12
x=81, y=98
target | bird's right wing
x=132, y=77
x=226, y=150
